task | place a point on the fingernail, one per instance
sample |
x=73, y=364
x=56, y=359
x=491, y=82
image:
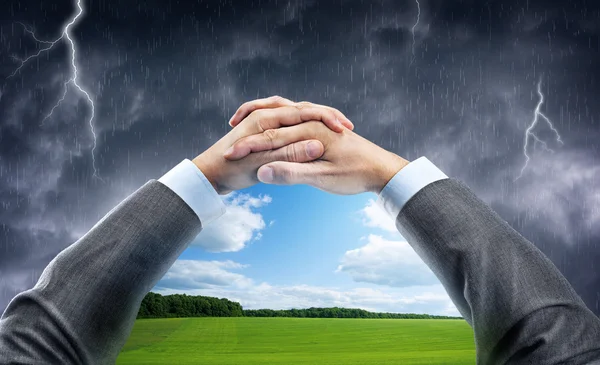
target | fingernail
x=266, y=176
x=229, y=151
x=313, y=149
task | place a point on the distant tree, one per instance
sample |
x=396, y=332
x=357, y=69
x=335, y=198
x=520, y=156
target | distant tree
x=181, y=305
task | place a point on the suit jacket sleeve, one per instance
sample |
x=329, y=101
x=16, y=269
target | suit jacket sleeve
x=522, y=310
x=84, y=305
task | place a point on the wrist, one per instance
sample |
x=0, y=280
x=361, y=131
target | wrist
x=387, y=167
x=207, y=170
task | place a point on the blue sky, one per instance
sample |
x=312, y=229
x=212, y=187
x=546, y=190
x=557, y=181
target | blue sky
x=296, y=246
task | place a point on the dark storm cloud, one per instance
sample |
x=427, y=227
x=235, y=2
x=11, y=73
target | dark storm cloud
x=24, y=256
x=167, y=75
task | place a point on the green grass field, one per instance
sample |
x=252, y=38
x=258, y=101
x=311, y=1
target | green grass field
x=292, y=341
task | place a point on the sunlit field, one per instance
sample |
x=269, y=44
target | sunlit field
x=239, y=340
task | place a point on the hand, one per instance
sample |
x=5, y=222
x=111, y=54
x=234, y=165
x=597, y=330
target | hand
x=226, y=176
x=351, y=164
x=278, y=101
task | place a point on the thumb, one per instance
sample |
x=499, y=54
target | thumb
x=288, y=173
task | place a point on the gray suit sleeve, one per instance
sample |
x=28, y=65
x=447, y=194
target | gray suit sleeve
x=82, y=309
x=522, y=310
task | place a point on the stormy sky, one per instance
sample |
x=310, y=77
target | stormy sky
x=455, y=81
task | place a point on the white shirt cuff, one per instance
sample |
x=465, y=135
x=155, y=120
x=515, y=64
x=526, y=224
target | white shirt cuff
x=187, y=181
x=406, y=183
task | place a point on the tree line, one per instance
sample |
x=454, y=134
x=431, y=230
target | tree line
x=337, y=312
x=181, y=305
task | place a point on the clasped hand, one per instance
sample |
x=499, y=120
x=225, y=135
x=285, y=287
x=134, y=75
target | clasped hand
x=278, y=141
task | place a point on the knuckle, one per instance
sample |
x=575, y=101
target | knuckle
x=302, y=104
x=276, y=98
x=291, y=153
x=270, y=135
x=257, y=113
x=259, y=117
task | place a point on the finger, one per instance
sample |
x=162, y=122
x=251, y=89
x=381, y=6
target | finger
x=288, y=173
x=303, y=151
x=278, y=101
x=288, y=116
x=345, y=121
x=272, y=139
x=248, y=107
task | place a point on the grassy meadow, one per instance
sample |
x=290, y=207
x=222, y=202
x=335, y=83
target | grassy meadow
x=292, y=341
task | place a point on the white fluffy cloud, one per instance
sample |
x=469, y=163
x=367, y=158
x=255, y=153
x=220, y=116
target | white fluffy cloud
x=407, y=283
x=376, y=217
x=214, y=278
x=239, y=226
x=384, y=262
x=194, y=274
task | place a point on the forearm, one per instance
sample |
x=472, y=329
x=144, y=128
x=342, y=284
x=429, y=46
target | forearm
x=519, y=304
x=85, y=303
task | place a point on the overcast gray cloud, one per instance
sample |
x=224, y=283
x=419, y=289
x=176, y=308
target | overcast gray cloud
x=167, y=75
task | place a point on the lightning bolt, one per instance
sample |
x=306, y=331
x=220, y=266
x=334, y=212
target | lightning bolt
x=74, y=80
x=414, y=27
x=536, y=116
